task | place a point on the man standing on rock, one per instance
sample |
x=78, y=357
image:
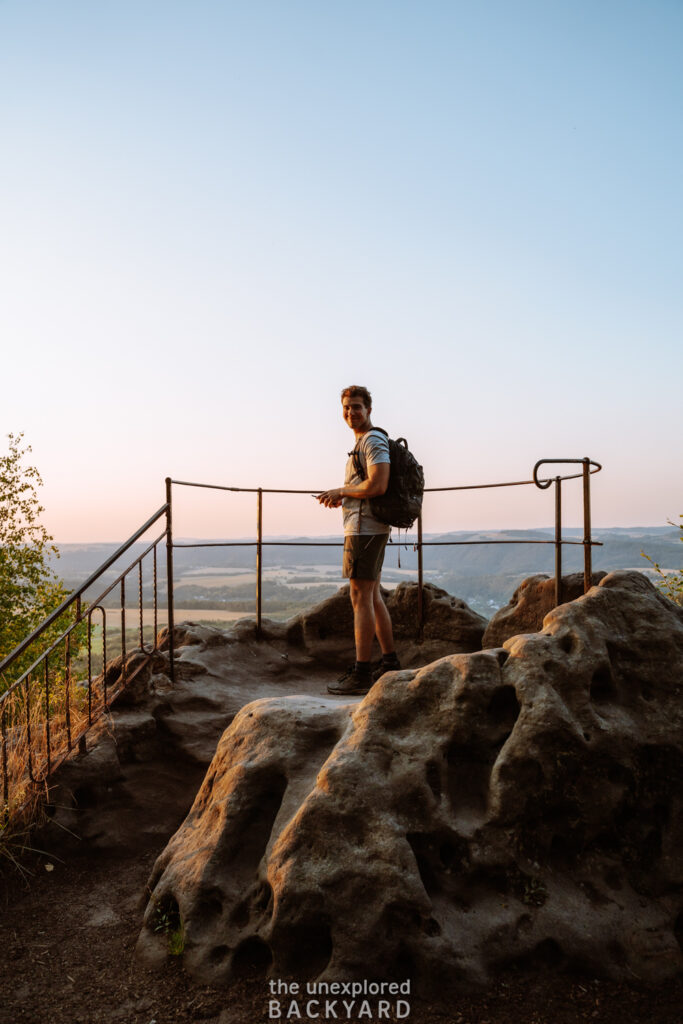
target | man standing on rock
x=365, y=539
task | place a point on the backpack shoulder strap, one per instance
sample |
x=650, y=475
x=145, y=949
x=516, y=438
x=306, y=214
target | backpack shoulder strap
x=355, y=453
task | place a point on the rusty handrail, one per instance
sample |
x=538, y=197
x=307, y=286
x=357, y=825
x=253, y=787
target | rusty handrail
x=60, y=730
x=420, y=544
x=588, y=543
x=77, y=594
x=543, y=484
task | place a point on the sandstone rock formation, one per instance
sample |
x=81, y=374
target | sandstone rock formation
x=529, y=605
x=518, y=805
x=450, y=626
x=147, y=752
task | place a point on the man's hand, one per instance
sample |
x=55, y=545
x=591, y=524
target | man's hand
x=331, y=499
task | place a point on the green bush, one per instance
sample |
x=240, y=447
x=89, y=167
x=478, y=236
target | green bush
x=670, y=583
x=29, y=589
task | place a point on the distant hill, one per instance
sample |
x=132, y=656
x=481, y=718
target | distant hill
x=482, y=573
x=621, y=548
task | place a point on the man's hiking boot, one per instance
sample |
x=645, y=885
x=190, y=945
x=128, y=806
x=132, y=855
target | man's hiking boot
x=352, y=682
x=390, y=664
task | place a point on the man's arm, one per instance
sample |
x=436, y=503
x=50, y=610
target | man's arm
x=376, y=483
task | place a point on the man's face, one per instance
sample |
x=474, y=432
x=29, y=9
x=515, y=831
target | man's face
x=356, y=413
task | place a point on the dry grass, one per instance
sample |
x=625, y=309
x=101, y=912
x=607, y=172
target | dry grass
x=42, y=724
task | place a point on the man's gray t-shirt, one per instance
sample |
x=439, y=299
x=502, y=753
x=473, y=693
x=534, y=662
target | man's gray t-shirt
x=373, y=449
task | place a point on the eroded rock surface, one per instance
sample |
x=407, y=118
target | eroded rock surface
x=140, y=774
x=529, y=605
x=517, y=805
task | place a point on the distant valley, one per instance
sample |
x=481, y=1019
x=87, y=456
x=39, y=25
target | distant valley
x=220, y=582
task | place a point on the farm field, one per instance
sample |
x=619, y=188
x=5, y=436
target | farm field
x=180, y=614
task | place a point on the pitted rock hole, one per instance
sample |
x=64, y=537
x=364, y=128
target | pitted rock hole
x=453, y=853
x=613, y=879
x=617, y=953
x=602, y=685
x=433, y=772
x=240, y=914
x=252, y=958
x=422, y=847
x=404, y=965
x=469, y=771
x=209, y=907
x=597, y=898
x=568, y=844
x=437, y=856
x=256, y=824
x=618, y=775
x=504, y=706
x=524, y=924
x=305, y=949
x=678, y=930
x=325, y=738
x=262, y=899
x=258, y=903
x=397, y=919
x=651, y=847
x=548, y=953
x=545, y=955
x=566, y=642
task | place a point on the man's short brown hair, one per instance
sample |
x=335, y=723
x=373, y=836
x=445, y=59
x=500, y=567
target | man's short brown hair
x=356, y=391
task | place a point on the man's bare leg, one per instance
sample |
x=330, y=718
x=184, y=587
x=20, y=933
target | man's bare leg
x=362, y=601
x=370, y=616
x=383, y=627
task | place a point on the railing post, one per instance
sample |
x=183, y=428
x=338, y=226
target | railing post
x=587, y=539
x=420, y=582
x=154, y=574
x=5, y=770
x=142, y=632
x=79, y=609
x=558, y=540
x=124, y=653
x=48, y=738
x=259, y=557
x=67, y=689
x=29, y=742
x=169, y=579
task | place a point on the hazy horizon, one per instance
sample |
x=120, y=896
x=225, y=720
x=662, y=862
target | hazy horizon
x=566, y=529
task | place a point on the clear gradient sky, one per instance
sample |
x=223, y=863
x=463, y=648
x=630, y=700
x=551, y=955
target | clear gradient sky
x=215, y=215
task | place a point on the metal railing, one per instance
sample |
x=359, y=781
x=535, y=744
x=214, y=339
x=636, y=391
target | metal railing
x=588, y=467
x=38, y=732
x=46, y=712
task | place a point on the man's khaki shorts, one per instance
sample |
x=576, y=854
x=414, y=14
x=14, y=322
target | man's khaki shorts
x=364, y=555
